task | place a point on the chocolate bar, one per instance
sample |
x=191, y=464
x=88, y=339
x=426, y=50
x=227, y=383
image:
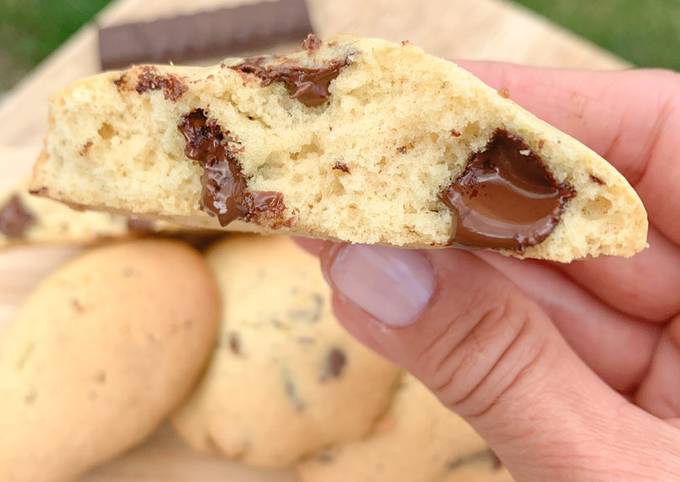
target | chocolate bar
x=204, y=35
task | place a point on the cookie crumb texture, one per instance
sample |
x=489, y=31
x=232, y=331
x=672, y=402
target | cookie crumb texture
x=84, y=377
x=352, y=139
x=417, y=440
x=285, y=379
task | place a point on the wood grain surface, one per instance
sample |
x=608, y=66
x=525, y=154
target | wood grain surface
x=474, y=29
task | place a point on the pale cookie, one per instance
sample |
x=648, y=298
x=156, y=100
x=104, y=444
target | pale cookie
x=100, y=354
x=27, y=219
x=354, y=139
x=418, y=440
x=286, y=378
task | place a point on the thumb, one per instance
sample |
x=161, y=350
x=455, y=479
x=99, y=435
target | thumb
x=488, y=352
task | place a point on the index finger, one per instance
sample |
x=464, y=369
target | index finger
x=631, y=118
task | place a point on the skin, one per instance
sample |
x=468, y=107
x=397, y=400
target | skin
x=570, y=372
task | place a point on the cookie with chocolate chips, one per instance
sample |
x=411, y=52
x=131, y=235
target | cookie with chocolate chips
x=417, y=440
x=360, y=140
x=285, y=378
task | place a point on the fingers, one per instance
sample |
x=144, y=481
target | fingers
x=646, y=286
x=631, y=118
x=485, y=349
x=659, y=392
x=596, y=332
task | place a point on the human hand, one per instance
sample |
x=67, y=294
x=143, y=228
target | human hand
x=570, y=372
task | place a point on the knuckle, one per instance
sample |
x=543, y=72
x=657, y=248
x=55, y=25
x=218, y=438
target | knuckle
x=476, y=362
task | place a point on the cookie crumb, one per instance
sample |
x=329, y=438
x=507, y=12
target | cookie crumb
x=455, y=133
x=504, y=92
x=405, y=43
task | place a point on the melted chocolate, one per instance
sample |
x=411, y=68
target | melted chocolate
x=308, y=85
x=505, y=198
x=15, y=219
x=225, y=191
x=150, y=79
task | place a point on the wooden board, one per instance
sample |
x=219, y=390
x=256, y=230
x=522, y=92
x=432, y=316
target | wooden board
x=476, y=29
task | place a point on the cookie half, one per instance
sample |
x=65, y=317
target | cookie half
x=353, y=139
x=285, y=379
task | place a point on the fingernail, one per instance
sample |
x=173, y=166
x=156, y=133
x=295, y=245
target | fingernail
x=393, y=285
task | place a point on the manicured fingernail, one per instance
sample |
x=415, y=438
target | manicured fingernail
x=393, y=285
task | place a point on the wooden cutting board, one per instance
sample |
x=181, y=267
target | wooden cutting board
x=474, y=29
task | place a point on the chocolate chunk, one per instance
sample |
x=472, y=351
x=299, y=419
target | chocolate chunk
x=455, y=133
x=341, y=166
x=234, y=343
x=505, y=197
x=334, y=364
x=139, y=225
x=311, y=43
x=150, y=79
x=215, y=33
x=225, y=191
x=15, y=218
x=309, y=85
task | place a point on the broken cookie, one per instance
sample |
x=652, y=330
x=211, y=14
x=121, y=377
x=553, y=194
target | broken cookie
x=358, y=140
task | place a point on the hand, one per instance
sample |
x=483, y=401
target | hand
x=570, y=372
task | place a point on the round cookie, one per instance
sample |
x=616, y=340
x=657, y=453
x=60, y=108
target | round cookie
x=418, y=440
x=99, y=355
x=286, y=379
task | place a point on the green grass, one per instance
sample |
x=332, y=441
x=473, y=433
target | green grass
x=31, y=29
x=644, y=32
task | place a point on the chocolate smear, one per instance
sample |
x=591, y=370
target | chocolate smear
x=309, y=85
x=15, y=218
x=151, y=79
x=505, y=198
x=225, y=190
x=334, y=365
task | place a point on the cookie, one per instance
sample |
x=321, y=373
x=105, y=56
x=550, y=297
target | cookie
x=101, y=352
x=286, y=379
x=26, y=219
x=353, y=139
x=418, y=440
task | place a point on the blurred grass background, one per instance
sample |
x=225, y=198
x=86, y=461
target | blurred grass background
x=644, y=32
